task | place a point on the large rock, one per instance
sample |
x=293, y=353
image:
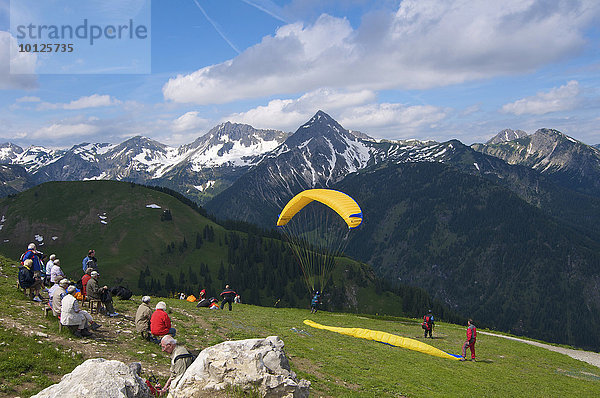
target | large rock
x=99, y=378
x=255, y=364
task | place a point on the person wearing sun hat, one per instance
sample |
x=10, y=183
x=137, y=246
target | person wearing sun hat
x=142, y=318
x=95, y=292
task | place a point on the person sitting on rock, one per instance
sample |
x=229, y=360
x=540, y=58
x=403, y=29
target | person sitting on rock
x=95, y=292
x=142, y=319
x=160, y=323
x=181, y=359
x=72, y=315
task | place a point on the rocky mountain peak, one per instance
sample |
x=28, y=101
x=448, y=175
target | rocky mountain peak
x=506, y=135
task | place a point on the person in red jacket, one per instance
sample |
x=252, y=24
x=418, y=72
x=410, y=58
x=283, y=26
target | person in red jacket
x=471, y=338
x=85, y=279
x=160, y=323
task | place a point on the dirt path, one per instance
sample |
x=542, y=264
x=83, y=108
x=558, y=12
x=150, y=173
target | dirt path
x=593, y=358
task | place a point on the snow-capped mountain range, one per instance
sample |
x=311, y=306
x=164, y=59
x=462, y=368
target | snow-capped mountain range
x=320, y=153
x=224, y=149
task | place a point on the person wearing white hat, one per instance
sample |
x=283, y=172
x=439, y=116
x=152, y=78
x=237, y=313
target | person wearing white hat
x=72, y=315
x=142, y=318
x=94, y=291
x=59, y=290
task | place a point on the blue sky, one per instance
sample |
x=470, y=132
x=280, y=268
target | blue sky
x=425, y=69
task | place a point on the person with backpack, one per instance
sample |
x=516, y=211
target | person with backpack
x=428, y=324
x=314, y=302
x=471, y=338
x=36, y=257
x=181, y=359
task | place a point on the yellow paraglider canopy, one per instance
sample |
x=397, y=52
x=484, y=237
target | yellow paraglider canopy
x=341, y=203
x=386, y=338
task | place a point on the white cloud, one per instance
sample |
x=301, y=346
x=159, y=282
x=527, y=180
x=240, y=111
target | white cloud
x=28, y=99
x=91, y=101
x=188, y=121
x=288, y=114
x=424, y=44
x=17, y=70
x=561, y=98
x=354, y=110
x=62, y=130
x=388, y=120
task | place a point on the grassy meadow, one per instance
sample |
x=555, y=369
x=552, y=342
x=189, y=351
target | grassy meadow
x=34, y=354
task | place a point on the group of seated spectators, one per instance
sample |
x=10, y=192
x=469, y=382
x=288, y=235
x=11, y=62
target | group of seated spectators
x=153, y=325
x=63, y=295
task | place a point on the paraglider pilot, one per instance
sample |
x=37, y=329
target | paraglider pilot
x=314, y=303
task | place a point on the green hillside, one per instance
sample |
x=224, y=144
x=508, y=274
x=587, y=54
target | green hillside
x=151, y=253
x=479, y=248
x=35, y=355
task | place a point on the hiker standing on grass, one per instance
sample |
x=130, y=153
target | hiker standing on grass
x=471, y=338
x=90, y=261
x=181, y=359
x=228, y=296
x=428, y=324
x=314, y=303
x=35, y=256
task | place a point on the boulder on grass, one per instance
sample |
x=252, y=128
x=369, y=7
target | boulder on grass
x=251, y=365
x=99, y=378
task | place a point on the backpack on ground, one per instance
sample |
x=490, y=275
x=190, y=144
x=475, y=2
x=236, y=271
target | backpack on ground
x=121, y=292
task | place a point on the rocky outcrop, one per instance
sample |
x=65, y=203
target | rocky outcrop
x=506, y=135
x=99, y=378
x=252, y=365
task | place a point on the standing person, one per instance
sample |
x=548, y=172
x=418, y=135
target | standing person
x=28, y=280
x=228, y=296
x=57, y=274
x=160, y=323
x=90, y=261
x=181, y=359
x=471, y=338
x=94, y=291
x=36, y=257
x=49, y=266
x=142, y=318
x=428, y=324
x=314, y=303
